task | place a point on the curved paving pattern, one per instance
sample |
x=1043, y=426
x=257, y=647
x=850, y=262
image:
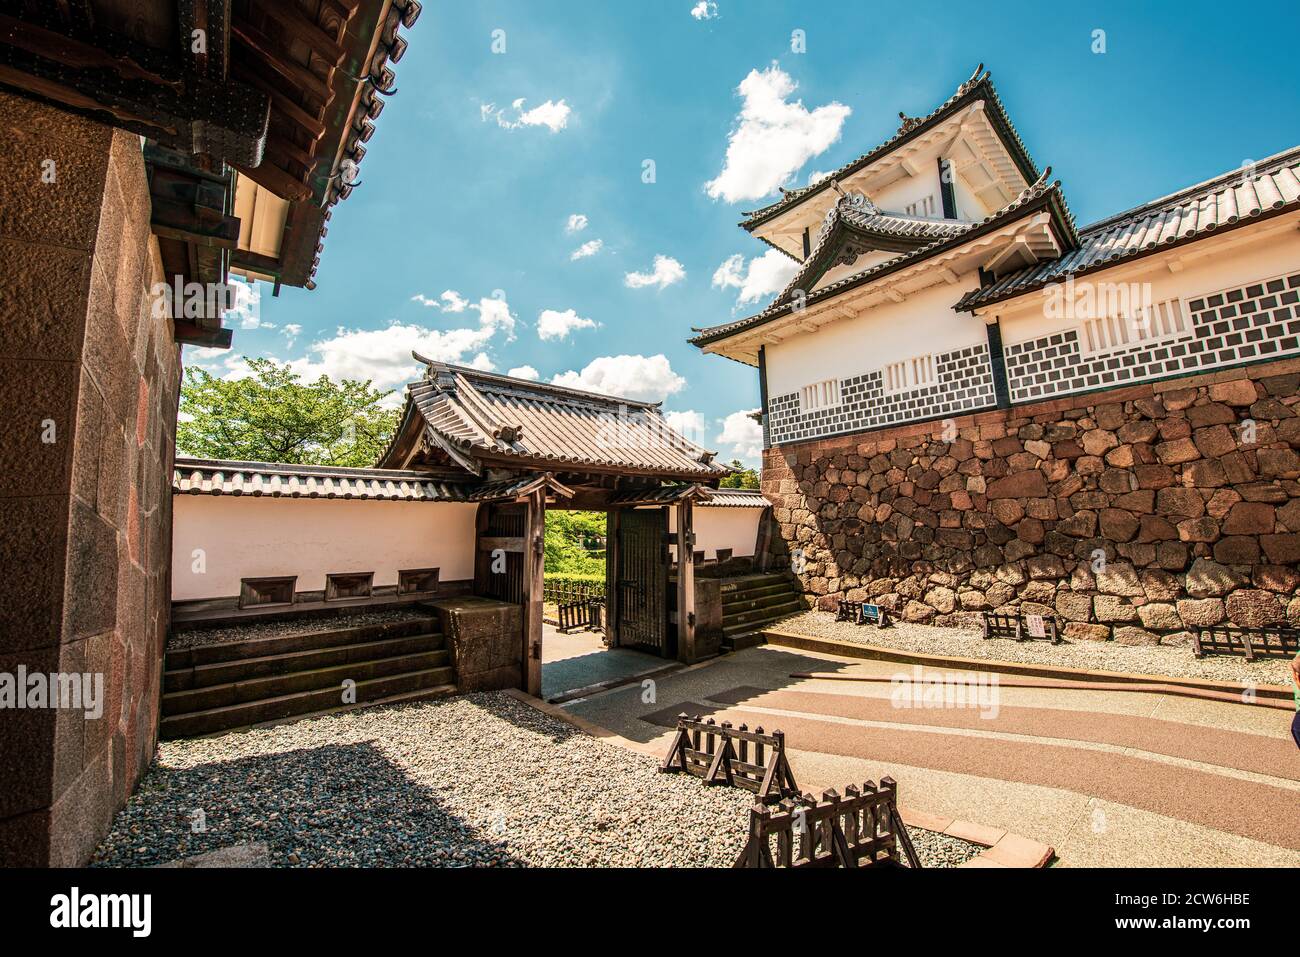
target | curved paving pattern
x=1259, y=811
x=1227, y=749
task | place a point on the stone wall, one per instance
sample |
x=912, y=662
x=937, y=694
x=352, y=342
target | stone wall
x=1196, y=514
x=88, y=387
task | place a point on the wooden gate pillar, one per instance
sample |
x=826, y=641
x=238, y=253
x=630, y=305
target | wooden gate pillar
x=612, y=524
x=534, y=570
x=685, y=581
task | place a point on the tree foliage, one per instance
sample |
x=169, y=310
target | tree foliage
x=740, y=478
x=273, y=416
x=575, y=542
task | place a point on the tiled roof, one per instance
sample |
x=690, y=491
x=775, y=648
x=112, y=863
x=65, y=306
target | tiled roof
x=868, y=219
x=735, y=498
x=277, y=480
x=1233, y=199
x=513, y=488
x=978, y=87
x=1040, y=193
x=475, y=415
x=664, y=495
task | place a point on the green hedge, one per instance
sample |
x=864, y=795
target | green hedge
x=566, y=587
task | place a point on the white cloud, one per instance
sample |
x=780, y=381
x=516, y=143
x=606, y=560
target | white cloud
x=644, y=378
x=765, y=275
x=772, y=137
x=577, y=223
x=449, y=301
x=557, y=325
x=247, y=306
x=691, y=424
x=384, y=355
x=742, y=438
x=525, y=372
x=551, y=114
x=589, y=248
x=666, y=271
x=816, y=176
x=705, y=10
x=494, y=313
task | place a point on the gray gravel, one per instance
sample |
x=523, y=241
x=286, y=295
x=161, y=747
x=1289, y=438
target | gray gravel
x=191, y=637
x=941, y=850
x=1104, y=655
x=477, y=780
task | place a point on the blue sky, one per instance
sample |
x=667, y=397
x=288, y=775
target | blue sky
x=466, y=191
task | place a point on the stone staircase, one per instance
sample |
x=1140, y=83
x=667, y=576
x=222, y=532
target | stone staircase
x=220, y=687
x=751, y=603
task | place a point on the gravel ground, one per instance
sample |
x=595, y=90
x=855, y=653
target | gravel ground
x=940, y=850
x=190, y=637
x=1107, y=655
x=469, y=781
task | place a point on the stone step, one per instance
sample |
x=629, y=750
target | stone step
x=757, y=591
x=178, y=658
x=748, y=583
x=739, y=605
x=743, y=639
x=750, y=619
x=275, y=686
x=242, y=669
x=406, y=686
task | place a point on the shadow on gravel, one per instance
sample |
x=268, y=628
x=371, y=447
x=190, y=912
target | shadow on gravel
x=336, y=806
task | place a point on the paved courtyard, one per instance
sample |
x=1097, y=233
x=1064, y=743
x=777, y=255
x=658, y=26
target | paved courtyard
x=1108, y=778
x=579, y=660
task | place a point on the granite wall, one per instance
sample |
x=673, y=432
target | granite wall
x=89, y=379
x=1188, y=491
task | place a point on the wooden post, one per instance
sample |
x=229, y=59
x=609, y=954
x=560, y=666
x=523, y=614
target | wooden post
x=481, y=557
x=685, y=582
x=763, y=540
x=611, y=576
x=534, y=570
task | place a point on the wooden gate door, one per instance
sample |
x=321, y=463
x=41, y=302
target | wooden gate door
x=642, y=580
x=499, y=563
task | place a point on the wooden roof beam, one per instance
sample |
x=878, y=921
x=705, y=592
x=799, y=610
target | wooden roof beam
x=311, y=123
x=283, y=184
x=292, y=21
x=262, y=46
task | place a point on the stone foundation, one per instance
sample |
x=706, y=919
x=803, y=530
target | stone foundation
x=89, y=380
x=1136, y=514
x=486, y=641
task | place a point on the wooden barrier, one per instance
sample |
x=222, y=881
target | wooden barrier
x=1273, y=642
x=1019, y=628
x=583, y=615
x=861, y=829
x=565, y=591
x=721, y=754
x=862, y=613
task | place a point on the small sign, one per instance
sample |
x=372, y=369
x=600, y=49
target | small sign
x=1037, y=627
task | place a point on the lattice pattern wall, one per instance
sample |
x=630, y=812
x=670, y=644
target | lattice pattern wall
x=964, y=384
x=1254, y=322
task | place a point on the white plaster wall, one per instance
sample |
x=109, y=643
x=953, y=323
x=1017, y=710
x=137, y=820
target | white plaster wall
x=895, y=197
x=734, y=528
x=1232, y=263
x=922, y=323
x=248, y=537
x=862, y=263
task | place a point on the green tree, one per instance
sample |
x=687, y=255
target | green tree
x=272, y=416
x=575, y=542
x=740, y=478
